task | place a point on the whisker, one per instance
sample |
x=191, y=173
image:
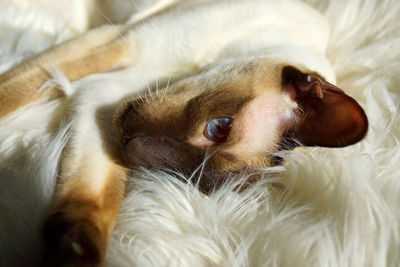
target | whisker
x=167, y=87
x=140, y=96
x=113, y=24
x=121, y=35
x=148, y=88
x=134, y=5
x=157, y=87
x=200, y=169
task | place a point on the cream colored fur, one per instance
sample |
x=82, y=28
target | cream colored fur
x=339, y=207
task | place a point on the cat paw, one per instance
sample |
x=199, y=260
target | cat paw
x=72, y=242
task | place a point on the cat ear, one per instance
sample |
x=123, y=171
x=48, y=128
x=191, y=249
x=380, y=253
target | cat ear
x=328, y=117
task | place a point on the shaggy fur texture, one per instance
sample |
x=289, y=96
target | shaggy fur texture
x=323, y=207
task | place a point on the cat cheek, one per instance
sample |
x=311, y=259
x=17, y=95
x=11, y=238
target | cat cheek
x=260, y=124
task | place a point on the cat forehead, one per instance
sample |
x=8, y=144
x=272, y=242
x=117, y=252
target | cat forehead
x=222, y=86
x=219, y=91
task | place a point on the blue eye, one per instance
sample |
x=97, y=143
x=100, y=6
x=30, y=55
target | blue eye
x=217, y=130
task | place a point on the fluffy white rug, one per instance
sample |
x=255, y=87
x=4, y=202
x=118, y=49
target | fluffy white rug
x=323, y=207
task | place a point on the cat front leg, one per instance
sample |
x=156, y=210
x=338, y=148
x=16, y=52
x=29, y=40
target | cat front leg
x=77, y=230
x=91, y=183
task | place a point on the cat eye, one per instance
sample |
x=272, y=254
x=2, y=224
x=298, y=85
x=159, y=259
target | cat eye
x=217, y=130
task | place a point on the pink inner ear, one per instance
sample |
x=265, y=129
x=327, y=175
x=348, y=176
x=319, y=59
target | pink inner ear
x=336, y=120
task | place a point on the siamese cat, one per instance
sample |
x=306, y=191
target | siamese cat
x=242, y=78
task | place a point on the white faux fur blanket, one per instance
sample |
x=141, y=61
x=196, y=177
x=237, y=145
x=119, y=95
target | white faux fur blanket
x=323, y=207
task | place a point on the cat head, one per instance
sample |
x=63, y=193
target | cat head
x=236, y=116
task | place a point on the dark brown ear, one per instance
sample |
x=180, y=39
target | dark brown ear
x=329, y=117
